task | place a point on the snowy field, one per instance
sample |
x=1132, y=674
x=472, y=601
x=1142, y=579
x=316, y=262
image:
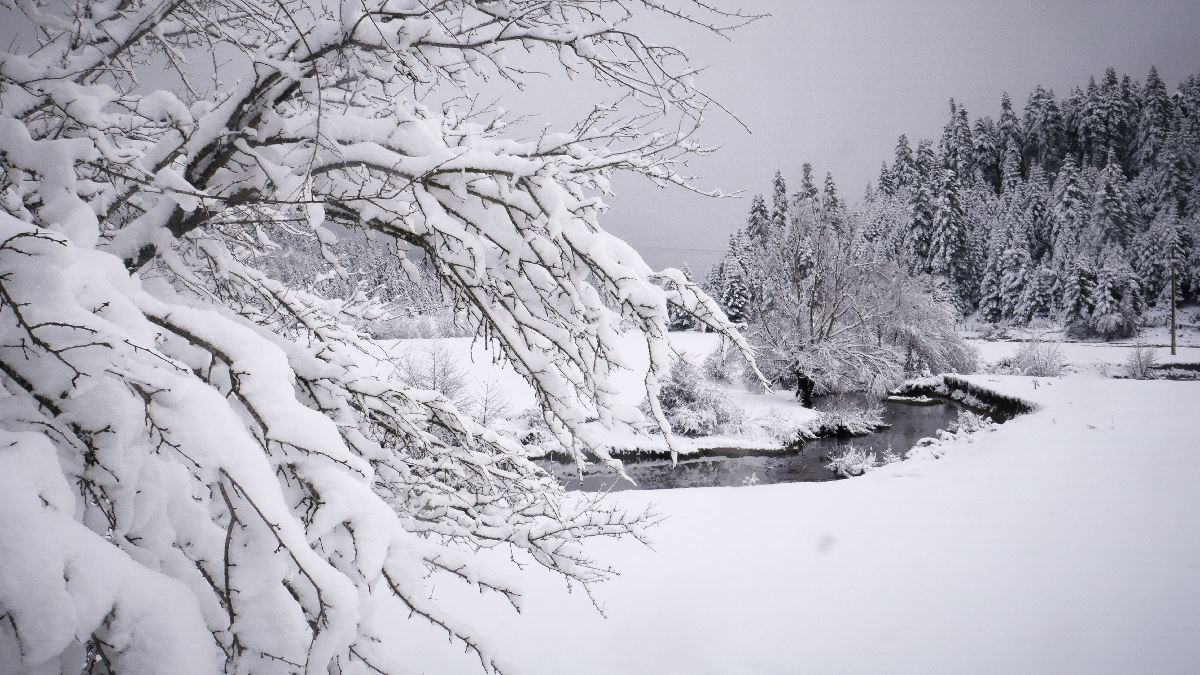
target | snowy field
x=1096, y=357
x=1059, y=542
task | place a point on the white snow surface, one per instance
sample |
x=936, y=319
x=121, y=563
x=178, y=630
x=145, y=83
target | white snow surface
x=1062, y=541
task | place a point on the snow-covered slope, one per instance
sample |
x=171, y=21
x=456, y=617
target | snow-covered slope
x=1061, y=542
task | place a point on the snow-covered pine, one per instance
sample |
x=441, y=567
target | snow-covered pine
x=205, y=470
x=735, y=280
x=779, y=202
x=1101, y=169
x=903, y=163
x=1111, y=209
x=948, y=254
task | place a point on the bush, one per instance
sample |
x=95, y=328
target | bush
x=1140, y=363
x=852, y=462
x=724, y=364
x=1115, y=325
x=1038, y=359
x=851, y=420
x=435, y=369
x=489, y=403
x=692, y=405
x=969, y=422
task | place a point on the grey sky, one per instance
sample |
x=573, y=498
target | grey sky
x=835, y=82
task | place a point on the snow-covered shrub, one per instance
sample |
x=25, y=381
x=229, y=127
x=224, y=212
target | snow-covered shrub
x=725, y=365
x=435, y=368
x=1140, y=363
x=489, y=402
x=850, y=420
x=1038, y=359
x=852, y=461
x=994, y=331
x=889, y=456
x=969, y=422
x=693, y=405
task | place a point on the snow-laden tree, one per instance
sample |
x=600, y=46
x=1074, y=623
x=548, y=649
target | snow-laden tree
x=1113, y=215
x=948, y=253
x=848, y=314
x=203, y=469
x=736, y=280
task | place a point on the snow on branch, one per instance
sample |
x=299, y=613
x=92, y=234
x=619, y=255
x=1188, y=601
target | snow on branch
x=205, y=466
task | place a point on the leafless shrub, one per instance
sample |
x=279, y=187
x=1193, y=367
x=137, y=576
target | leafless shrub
x=1140, y=363
x=1039, y=359
x=489, y=403
x=435, y=369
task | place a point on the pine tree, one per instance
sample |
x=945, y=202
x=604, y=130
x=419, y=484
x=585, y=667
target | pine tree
x=735, y=291
x=829, y=194
x=1015, y=271
x=964, y=139
x=920, y=229
x=1069, y=214
x=1011, y=174
x=758, y=224
x=991, y=298
x=1158, y=253
x=808, y=188
x=678, y=318
x=1037, y=298
x=1117, y=295
x=779, y=204
x=1092, y=129
x=1078, y=301
x=1037, y=214
x=887, y=181
x=904, y=166
x=1112, y=213
x=1043, y=129
x=1173, y=180
x=948, y=253
x=1008, y=126
x=1075, y=124
x=950, y=148
x=1154, y=123
x=714, y=281
x=986, y=149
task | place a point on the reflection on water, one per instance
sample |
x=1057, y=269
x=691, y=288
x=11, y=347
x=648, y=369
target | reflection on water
x=909, y=423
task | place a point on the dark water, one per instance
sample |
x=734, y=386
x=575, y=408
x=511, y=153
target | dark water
x=726, y=467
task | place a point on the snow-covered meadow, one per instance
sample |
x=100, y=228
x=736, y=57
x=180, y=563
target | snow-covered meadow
x=1056, y=542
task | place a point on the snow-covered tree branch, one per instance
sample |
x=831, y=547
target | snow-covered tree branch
x=204, y=468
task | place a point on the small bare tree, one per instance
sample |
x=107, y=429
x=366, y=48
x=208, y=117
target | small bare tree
x=490, y=403
x=1140, y=363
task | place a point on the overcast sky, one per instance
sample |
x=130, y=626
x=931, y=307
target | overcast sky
x=835, y=82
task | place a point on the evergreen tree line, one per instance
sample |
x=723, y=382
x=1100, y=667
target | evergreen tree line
x=1079, y=210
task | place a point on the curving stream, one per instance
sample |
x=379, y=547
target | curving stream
x=733, y=467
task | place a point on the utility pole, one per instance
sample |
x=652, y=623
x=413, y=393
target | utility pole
x=1172, y=310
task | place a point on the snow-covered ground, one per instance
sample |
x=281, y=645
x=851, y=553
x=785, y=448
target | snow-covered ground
x=1063, y=541
x=771, y=417
x=1098, y=357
